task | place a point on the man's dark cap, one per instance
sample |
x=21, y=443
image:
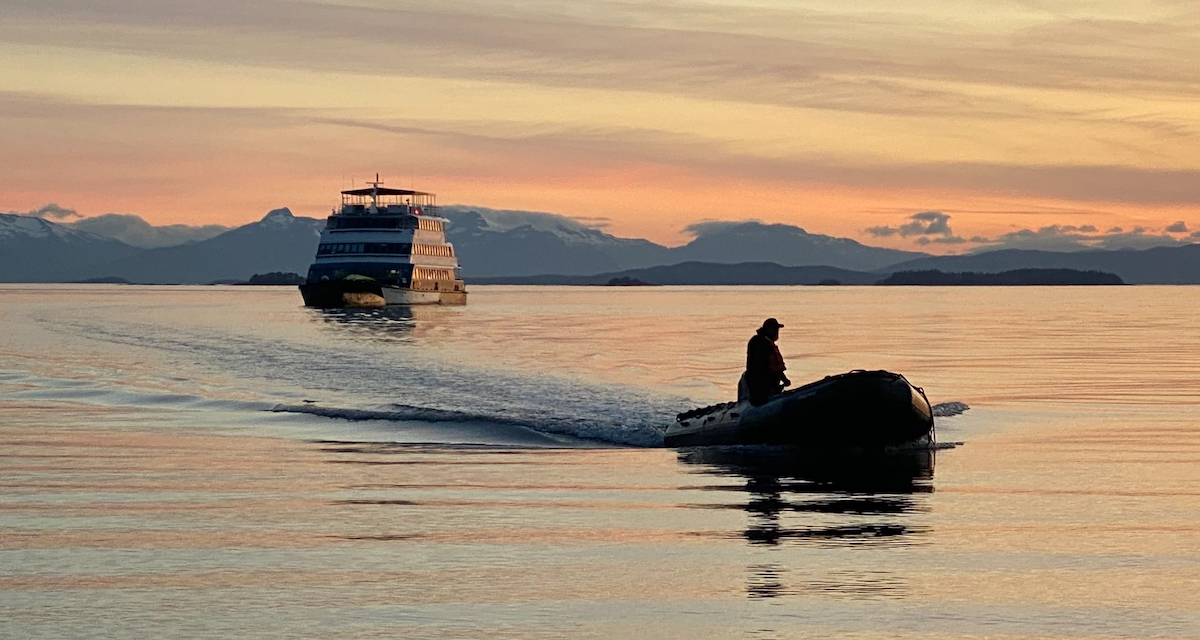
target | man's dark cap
x=771, y=322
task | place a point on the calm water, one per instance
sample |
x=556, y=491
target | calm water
x=182, y=462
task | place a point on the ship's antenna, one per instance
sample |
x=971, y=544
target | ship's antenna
x=375, y=193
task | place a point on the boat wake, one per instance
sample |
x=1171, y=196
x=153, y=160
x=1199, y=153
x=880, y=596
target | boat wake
x=948, y=409
x=543, y=430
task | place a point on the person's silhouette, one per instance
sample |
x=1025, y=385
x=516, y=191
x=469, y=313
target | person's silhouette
x=764, y=375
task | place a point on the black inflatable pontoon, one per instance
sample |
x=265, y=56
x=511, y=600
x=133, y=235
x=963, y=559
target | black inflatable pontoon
x=856, y=409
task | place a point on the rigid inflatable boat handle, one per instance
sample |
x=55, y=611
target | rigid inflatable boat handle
x=932, y=430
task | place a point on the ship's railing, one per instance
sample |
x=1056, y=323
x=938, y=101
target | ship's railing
x=421, y=200
x=361, y=209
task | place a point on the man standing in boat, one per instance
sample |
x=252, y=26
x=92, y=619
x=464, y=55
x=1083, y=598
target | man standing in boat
x=764, y=375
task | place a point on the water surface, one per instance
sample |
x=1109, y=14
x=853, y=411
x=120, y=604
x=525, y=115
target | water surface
x=188, y=462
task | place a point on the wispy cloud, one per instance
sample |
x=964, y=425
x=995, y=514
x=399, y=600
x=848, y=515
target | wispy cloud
x=873, y=62
x=1081, y=183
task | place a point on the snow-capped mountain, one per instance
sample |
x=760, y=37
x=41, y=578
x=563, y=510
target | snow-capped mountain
x=37, y=250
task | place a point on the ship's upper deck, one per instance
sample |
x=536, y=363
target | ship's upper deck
x=375, y=200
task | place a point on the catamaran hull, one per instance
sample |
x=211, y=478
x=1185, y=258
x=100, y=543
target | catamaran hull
x=867, y=409
x=342, y=294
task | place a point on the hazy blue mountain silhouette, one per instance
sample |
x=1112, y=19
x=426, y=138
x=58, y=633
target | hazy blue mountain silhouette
x=562, y=247
x=787, y=245
x=1159, y=265
x=494, y=243
x=37, y=250
x=704, y=273
x=278, y=242
x=550, y=244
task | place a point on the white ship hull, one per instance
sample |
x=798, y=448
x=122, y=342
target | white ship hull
x=395, y=295
x=372, y=294
x=384, y=247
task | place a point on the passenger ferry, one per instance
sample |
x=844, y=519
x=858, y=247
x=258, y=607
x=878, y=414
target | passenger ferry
x=384, y=247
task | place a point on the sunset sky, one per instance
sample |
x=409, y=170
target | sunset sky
x=846, y=118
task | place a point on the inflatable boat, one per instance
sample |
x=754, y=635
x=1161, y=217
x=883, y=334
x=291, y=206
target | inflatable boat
x=865, y=409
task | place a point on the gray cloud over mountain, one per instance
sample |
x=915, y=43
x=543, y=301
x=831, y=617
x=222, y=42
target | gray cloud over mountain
x=927, y=226
x=934, y=227
x=127, y=228
x=133, y=230
x=707, y=227
x=51, y=211
x=1078, y=238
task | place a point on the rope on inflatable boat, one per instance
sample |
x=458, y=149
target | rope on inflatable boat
x=932, y=429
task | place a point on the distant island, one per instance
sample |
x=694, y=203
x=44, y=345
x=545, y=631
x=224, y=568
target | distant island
x=625, y=281
x=701, y=273
x=102, y=280
x=1016, y=277
x=769, y=273
x=275, y=278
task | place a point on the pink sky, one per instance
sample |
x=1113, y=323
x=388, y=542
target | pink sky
x=643, y=118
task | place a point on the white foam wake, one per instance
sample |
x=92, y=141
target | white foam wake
x=626, y=435
x=947, y=409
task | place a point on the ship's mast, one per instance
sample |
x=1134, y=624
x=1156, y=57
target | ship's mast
x=375, y=194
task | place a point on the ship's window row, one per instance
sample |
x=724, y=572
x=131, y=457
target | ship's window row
x=385, y=248
x=388, y=274
x=384, y=222
x=429, y=225
x=443, y=250
x=425, y=273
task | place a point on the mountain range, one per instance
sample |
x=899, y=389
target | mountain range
x=495, y=244
x=278, y=242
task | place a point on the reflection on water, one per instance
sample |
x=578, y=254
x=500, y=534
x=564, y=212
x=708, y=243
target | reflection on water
x=819, y=470
x=822, y=498
x=389, y=324
x=774, y=580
